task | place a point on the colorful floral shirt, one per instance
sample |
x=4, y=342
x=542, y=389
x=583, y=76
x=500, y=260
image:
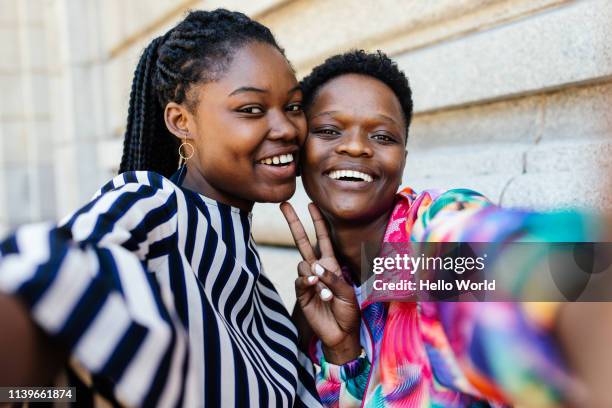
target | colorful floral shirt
x=456, y=354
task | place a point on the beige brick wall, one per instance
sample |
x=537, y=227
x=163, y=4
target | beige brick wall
x=513, y=96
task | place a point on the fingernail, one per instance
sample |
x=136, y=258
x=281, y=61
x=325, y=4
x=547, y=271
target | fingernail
x=326, y=294
x=312, y=279
x=319, y=269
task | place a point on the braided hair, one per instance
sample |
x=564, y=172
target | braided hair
x=198, y=50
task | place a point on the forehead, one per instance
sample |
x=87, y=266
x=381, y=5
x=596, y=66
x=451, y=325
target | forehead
x=359, y=95
x=258, y=64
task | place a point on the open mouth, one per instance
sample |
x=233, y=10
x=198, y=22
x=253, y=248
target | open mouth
x=278, y=161
x=350, y=175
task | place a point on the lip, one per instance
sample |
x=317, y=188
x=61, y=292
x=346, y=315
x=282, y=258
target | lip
x=354, y=167
x=350, y=185
x=277, y=152
x=278, y=172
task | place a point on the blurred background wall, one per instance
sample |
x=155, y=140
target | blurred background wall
x=512, y=97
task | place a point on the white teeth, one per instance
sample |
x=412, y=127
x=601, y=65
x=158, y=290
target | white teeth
x=280, y=159
x=338, y=174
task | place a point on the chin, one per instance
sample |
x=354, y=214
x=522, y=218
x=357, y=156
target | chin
x=345, y=212
x=277, y=194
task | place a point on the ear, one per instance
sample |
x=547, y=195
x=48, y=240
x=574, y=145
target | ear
x=178, y=120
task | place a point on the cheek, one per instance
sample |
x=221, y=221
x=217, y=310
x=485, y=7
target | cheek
x=310, y=160
x=302, y=128
x=394, y=167
x=222, y=160
x=314, y=152
x=238, y=146
x=310, y=175
x=309, y=182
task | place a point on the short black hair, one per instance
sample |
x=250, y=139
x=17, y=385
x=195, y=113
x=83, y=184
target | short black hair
x=198, y=50
x=376, y=65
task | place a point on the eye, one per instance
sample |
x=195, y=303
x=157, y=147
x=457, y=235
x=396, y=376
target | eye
x=251, y=110
x=326, y=131
x=295, y=107
x=383, y=138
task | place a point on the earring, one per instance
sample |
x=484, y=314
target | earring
x=185, y=152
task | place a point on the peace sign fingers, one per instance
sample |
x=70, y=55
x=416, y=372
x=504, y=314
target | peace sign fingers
x=298, y=233
x=323, y=240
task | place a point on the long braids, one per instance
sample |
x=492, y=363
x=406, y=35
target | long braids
x=197, y=50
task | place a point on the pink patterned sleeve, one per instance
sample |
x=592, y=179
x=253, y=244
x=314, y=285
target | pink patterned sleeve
x=507, y=350
x=343, y=386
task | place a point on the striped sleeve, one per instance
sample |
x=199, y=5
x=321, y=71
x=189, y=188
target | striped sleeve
x=506, y=350
x=306, y=395
x=86, y=284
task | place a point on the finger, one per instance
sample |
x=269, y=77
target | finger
x=298, y=233
x=323, y=240
x=304, y=269
x=326, y=294
x=337, y=284
x=303, y=291
x=307, y=286
x=309, y=282
x=303, y=283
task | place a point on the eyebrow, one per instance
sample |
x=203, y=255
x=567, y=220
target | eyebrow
x=387, y=118
x=326, y=113
x=244, y=89
x=378, y=115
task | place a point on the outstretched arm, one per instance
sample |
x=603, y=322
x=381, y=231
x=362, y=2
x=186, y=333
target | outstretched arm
x=518, y=356
x=86, y=286
x=29, y=357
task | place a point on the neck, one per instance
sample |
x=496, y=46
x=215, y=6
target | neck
x=348, y=237
x=195, y=180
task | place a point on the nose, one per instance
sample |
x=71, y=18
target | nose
x=282, y=127
x=355, y=144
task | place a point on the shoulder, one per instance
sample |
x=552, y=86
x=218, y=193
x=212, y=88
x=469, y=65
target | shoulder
x=452, y=199
x=433, y=203
x=134, y=189
x=133, y=180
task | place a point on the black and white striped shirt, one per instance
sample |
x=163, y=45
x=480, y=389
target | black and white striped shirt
x=160, y=296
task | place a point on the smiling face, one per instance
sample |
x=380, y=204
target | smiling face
x=354, y=155
x=245, y=129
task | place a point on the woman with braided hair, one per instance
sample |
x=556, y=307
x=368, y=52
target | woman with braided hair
x=153, y=293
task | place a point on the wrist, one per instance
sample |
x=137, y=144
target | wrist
x=343, y=352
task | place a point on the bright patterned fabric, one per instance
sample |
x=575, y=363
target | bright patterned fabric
x=446, y=354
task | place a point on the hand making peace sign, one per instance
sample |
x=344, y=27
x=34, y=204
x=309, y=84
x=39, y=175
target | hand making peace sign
x=326, y=299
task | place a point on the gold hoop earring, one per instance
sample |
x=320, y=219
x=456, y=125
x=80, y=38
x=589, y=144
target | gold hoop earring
x=185, y=152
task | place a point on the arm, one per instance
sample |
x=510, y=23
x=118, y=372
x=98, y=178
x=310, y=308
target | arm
x=584, y=331
x=519, y=360
x=343, y=386
x=86, y=286
x=337, y=385
x=327, y=310
x=305, y=332
x=28, y=356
